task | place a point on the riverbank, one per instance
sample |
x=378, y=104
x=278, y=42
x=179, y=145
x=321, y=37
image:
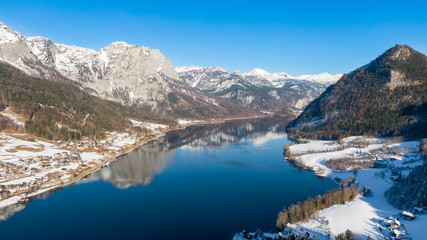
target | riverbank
x=32, y=165
x=375, y=164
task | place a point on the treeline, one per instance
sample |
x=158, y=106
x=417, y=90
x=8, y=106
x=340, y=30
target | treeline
x=364, y=102
x=48, y=103
x=302, y=211
x=410, y=191
x=349, y=163
x=349, y=235
x=49, y=130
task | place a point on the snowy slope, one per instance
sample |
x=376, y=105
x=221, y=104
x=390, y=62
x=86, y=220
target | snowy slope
x=121, y=72
x=257, y=76
x=363, y=215
x=258, y=88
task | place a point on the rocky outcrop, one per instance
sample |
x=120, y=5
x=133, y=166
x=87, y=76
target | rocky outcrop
x=120, y=72
x=258, y=89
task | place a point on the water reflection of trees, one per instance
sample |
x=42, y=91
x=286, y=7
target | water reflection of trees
x=220, y=135
x=140, y=166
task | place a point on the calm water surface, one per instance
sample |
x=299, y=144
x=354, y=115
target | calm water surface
x=200, y=183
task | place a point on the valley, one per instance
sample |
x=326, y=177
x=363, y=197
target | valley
x=199, y=152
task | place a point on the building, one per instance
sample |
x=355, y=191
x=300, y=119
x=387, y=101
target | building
x=408, y=215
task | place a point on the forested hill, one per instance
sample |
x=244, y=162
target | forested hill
x=48, y=103
x=387, y=97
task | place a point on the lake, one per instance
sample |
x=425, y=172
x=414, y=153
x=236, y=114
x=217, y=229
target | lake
x=204, y=182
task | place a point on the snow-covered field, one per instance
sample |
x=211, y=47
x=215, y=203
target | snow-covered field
x=185, y=122
x=362, y=215
x=154, y=127
x=32, y=165
x=365, y=214
x=17, y=119
x=358, y=216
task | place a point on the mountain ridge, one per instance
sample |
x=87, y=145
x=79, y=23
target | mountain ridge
x=120, y=72
x=277, y=76
x=387, y=97
x=258, y=89
x=59, y=110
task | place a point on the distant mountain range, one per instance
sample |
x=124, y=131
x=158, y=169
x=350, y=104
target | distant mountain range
x=258, y=89
x=143, y=77
x=121, y=72
x=387, y=97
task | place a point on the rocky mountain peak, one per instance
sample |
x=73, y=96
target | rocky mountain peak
x=125, y=73
x=8, y=35
x=120, y=72
x=399, y=52
x=120, y=44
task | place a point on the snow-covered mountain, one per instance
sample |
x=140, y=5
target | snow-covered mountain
x=197, y=77
x=120, y=72
x=258, y=88
x=143, y=77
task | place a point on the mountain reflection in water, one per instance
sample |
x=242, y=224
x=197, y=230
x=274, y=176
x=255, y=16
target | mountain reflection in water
x=202, y=182
x=136, y=168
x=140, y=166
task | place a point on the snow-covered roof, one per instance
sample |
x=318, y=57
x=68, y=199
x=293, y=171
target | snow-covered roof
x=409, y=214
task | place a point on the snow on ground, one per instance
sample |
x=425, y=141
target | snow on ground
x=154, y=127
x=28, y=161
x=314, y=146
x=10, y=201
x=317, y=161
x=412, y=145
x=316, y=153
x=9, y=143
x=357, y=216
x=362, y=215
x=17, y=119
x=185, y=122
x=416, y=227
x=122, y=139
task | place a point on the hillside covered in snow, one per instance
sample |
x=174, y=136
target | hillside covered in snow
x=120, y=72
x=258, y=89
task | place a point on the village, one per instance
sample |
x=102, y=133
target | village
x=376, y=164
x=393, y=228
x=30, y=165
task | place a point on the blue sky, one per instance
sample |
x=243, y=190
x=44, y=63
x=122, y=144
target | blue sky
x=297, y=37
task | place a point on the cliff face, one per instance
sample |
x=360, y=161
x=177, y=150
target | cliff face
x=119, y=72
x=124, y=73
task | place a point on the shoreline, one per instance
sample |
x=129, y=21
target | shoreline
x=370, y=213
x=26, y=196
x=375, y=209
